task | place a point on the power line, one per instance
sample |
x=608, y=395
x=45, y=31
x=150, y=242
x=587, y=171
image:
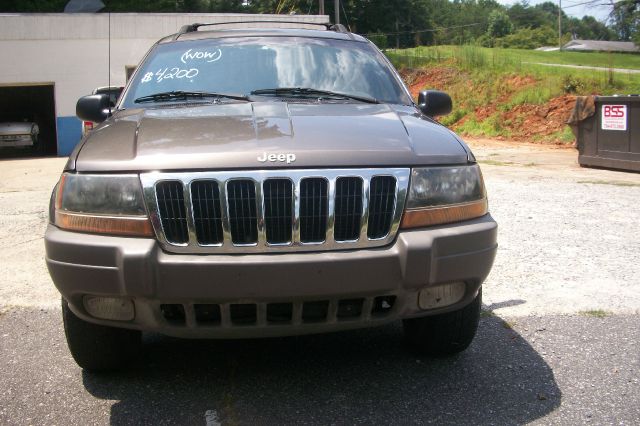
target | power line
x=346, y=17
x=592, y=3
x=429, y=30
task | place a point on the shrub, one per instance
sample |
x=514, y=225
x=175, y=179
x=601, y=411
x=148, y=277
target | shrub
x=528, y=38
x=572, y=84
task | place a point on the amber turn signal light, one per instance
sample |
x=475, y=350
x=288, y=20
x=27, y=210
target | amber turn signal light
x=422, y=217
x=134, y=226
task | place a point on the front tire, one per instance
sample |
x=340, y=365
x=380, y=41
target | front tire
x=98, y=347
x=445, y=334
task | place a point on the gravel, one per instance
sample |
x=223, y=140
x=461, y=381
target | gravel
x=569, y=238
x=25, y=189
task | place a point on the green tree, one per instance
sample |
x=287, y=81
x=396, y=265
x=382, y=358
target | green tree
x=399, y=19
x=499, y=24
x=524, y=16
x=626, y=19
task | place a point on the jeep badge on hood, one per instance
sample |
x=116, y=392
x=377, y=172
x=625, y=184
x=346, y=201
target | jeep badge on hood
x=288, y=158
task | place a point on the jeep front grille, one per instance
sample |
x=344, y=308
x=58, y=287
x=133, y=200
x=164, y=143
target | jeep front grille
x=275, y=210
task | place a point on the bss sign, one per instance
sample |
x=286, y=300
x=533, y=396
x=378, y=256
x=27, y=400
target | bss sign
x=614, y=117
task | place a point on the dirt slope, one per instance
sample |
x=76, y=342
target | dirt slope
x=531, y=122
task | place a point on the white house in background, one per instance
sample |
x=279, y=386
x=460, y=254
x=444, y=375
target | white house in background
x=50, y=60
x=601, y=46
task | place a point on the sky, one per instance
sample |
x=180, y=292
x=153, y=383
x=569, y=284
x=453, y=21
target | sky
x=600, y=13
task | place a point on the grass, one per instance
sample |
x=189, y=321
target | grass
x=508, y=325
x=532, y=95
x=491, y=126
x=565, y=135
x=597, y=313
x=454, y=117
x=486, y=64
x=486, y=314
x=610, y=182
x=482, y=56
x=496, y=163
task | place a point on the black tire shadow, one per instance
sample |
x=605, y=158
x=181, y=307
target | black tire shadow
x=364, y=376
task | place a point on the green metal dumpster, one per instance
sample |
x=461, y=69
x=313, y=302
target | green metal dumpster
x=608, y=132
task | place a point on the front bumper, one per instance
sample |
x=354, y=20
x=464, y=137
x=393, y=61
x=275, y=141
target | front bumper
x=16, y=141
x=83, y=264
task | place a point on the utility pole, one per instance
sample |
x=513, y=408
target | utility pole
x=337, y=6
x=321, y=8
x=560, y=24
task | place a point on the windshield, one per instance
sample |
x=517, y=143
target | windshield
x=242, y=65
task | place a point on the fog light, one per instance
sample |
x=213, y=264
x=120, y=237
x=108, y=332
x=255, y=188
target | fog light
x=110, y=308
x=441, y=295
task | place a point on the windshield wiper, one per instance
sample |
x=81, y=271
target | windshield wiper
x=316, y=93
x=183, y=95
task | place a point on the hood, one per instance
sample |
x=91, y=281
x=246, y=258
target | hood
x=17, y=128
x=265, y=135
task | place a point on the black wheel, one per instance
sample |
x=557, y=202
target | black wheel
x=444, y=334
x=97, y=347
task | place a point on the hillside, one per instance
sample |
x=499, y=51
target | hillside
x=505, y=94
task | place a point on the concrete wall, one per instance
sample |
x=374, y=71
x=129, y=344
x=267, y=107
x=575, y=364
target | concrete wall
x=72, y=51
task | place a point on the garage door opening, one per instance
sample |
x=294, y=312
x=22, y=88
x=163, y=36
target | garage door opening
x=33, y=103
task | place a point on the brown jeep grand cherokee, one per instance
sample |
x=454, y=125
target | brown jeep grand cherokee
x=267, y=182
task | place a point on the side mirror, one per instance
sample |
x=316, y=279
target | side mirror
x=434, y=103
x=93, y=108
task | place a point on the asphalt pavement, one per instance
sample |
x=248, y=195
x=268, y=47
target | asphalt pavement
x=544, y=370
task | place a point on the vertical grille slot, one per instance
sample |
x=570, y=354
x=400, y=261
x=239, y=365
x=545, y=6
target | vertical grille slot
x=207, y=213
x=279, y=312
x=173, y=313
x=173, y=215
x=315, y=311
x=243, y=220
x=382, y=190
x=278, y=210
x=350, y=308
x=313, y=210
x=382, y=305
x=243, y=314
x=348, y=208
x=207, y=314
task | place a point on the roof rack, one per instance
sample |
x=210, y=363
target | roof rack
x=194, y=27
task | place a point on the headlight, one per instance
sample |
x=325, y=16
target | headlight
x=440, y=195
x=101, y=204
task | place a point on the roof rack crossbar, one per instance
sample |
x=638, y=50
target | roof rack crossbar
x=328, y=26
